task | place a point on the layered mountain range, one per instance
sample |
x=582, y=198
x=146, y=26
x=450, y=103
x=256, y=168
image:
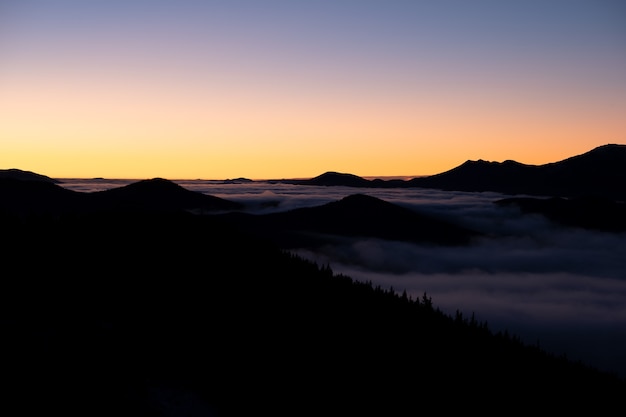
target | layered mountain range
x=587, y=190
x=151, y=299
x=355, y=215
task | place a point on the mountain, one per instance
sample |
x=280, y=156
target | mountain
x=19, y=174
x=160, y=194
x=166, y=313
x=35, y=196
x=600, y=172
x=508, y=176
x=332, y=178
x=146, y=312
x=357, y=215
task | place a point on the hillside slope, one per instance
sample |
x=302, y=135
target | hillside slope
x=130, y=313
x=356, y=215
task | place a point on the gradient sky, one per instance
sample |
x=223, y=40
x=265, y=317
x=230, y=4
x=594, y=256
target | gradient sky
x=283, y=89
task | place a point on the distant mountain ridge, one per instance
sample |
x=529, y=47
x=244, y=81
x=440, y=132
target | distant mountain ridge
x=600, y=172
x=333, y=178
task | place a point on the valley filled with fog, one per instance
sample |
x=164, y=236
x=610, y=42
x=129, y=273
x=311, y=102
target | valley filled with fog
x=561, y=287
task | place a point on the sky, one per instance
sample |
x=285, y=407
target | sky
x=188, y=89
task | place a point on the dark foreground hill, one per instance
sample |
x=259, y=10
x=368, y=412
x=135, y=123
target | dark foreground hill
x=34, y=196
x=160, y=194
x=45, y=197
x=160, y=313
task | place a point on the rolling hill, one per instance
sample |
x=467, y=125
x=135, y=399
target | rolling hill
x=157, y=194
x=356, y=215
x=160, y=194
x=19, y=174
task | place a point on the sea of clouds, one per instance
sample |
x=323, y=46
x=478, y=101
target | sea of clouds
x=564, y=288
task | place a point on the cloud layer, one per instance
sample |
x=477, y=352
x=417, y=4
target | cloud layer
x=564, y=288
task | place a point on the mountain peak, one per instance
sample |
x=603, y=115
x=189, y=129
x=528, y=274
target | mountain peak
x=598, y=172
x=610, y=146
x=337, y=178
x=335, y=174
x=165, y=194
x=19, y=174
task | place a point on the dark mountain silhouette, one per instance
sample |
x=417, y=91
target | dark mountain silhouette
x=482, y=176
x=356, y=215
x=240, y=180
x=585, y=212
x=35, y=196
x=19, y=174
x=160, y=194
x=600, y=172
x=137, y=311
x=168, y=313
x=332, y=178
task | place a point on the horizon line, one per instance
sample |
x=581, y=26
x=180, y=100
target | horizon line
x=367, y=177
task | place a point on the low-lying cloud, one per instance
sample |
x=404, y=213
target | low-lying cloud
x=562, y=287
x=581, y=316
x=567, y=251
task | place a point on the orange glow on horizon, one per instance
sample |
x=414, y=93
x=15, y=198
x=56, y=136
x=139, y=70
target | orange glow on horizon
x=152, y=133
x=216, y=102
